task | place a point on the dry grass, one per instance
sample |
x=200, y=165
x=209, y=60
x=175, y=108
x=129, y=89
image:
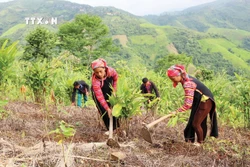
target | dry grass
x=25, y=141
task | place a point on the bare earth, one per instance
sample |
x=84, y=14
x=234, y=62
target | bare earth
x=25, y=142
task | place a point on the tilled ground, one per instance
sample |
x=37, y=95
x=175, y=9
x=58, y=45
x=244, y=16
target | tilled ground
x=25, y=141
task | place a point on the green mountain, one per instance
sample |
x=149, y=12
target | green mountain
x=214, y=47
x=231, y=14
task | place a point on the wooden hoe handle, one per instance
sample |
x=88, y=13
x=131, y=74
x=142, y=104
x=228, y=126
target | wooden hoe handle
x=158, y=120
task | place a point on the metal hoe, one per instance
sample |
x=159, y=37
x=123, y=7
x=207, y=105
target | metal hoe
x=145, y=129
x=111, y=142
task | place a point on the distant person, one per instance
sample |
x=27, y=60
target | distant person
x=200, y=100
x=149, y=87
x=81, y=88
x=103, y=78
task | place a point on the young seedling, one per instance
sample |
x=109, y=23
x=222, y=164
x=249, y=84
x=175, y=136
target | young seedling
x=63, y=131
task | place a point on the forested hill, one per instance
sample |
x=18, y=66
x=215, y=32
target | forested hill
x=214, y=47
x=233, y=14
x=15, y=12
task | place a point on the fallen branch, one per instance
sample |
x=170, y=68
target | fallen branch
x=80, y=157
x=49, y=152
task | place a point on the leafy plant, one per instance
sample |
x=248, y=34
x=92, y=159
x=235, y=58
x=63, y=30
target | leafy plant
x=63, y=132
x=7, y=58
x=39, y=77
x=86, y=37
x=40, y=45
x=153, y=102
x=243, y=87
x=203, y=74
x=179, y=117
x=165, y=62
x=152, y=106
x=126, y=101
x=3, y=112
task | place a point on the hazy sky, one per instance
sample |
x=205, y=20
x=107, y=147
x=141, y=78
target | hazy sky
x=143, y=7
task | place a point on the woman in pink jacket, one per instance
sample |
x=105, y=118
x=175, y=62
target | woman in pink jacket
x=200, y=100
x=103, y=78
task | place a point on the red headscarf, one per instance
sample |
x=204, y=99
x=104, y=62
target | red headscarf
x=98, y=63
x=177, y=70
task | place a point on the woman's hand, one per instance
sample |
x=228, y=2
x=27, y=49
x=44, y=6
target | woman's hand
x=173, y=112
x=109, y=112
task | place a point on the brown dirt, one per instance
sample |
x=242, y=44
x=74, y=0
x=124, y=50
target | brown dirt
x=25, y=141
x=172, y=49
x=122, y=38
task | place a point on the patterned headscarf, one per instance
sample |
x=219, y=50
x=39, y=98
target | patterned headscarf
x=177, y=70
x=98, y=63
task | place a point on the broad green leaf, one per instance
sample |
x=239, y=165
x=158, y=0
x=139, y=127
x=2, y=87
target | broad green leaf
x=116, y=111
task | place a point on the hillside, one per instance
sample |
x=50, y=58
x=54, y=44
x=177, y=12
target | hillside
x=141, y=41
x=232, y=14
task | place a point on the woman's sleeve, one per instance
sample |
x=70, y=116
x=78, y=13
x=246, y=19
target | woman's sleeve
x=189, y=89
x=87, y=87
x=99, y=95
x=156, y=90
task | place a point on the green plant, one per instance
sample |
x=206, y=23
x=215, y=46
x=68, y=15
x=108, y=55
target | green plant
x=24, y=165
x=126, y=101
x=243, y=87
x=152, y=104
x=204, y=74
x=63, y=132
x=3, y=112
x=165, y=62
x=179, y=117
x=7, y=58
x=40, y=45
x=39, y=77
x=86, y=37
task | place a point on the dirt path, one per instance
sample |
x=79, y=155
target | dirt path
x=25, y=141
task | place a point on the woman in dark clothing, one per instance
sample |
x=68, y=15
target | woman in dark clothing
x=102, y=78
x=148, y=87
x=80, y=88
x=200, y=100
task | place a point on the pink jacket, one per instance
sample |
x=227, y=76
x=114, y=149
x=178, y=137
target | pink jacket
x=98, y=83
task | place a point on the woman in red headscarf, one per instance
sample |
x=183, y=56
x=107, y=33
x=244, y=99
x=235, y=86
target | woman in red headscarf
x=102, y=78
x=200, y=100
